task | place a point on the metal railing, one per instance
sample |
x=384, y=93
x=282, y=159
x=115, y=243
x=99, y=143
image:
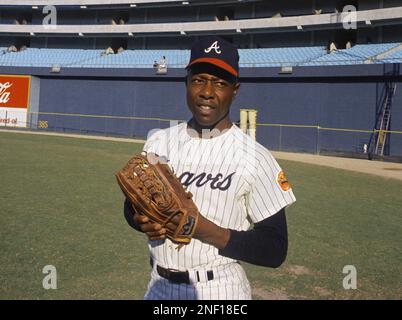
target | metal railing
x=281, y=137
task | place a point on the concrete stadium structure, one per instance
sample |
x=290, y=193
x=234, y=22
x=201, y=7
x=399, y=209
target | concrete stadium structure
x=329, y=103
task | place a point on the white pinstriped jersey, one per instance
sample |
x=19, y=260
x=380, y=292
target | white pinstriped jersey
x=234, y=181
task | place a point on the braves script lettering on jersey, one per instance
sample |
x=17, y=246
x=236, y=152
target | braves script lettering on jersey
x=234, y=181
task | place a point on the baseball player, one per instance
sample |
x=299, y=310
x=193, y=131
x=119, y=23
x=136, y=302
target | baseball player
x=235, y=183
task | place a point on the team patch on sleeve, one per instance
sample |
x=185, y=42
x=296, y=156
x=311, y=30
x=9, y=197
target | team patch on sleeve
x=283, y=181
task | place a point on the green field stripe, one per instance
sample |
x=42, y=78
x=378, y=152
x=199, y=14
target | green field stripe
x=100, y=116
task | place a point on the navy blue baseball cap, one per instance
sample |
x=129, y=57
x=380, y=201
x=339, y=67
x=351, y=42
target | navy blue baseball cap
x=217, y=51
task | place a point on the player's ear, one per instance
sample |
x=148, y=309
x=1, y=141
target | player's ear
x=236, y=88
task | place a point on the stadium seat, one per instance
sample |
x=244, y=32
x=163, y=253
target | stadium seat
x=262, y=57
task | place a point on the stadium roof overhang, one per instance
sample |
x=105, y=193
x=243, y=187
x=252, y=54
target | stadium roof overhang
x=99, y=4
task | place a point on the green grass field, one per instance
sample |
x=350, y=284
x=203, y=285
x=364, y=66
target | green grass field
x=60, y=205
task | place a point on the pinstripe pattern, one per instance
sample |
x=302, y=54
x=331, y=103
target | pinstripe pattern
x=230, y=283
x=233, y=180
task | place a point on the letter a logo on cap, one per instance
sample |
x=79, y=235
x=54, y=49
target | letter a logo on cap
x=215, y=47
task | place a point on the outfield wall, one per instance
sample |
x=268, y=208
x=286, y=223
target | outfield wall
x=314, y=109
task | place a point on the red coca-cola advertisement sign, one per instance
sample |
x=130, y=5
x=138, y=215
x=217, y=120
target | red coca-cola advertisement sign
x=14, y=91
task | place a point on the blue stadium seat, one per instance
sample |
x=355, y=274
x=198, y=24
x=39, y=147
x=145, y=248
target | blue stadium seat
x=264, y=57
x=355, y=55
x=278, y=56
x=33, y=57
x=140, y=59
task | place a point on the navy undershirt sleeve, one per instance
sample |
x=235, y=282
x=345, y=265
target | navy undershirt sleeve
x=265, y=245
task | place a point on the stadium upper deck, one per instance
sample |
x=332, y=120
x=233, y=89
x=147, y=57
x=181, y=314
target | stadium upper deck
x=145, y=17
x=268, y=33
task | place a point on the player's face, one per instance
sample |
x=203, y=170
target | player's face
x=209, y=98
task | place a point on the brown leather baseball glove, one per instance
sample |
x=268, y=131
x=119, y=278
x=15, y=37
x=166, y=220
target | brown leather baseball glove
x=155, y=191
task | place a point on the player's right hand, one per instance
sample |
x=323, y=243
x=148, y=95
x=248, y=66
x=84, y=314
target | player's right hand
x=153, y=230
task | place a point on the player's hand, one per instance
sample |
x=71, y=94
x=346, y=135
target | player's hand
x=207, y=232
x=154, y=231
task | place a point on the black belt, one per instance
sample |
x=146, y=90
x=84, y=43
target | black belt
x=176, y=276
